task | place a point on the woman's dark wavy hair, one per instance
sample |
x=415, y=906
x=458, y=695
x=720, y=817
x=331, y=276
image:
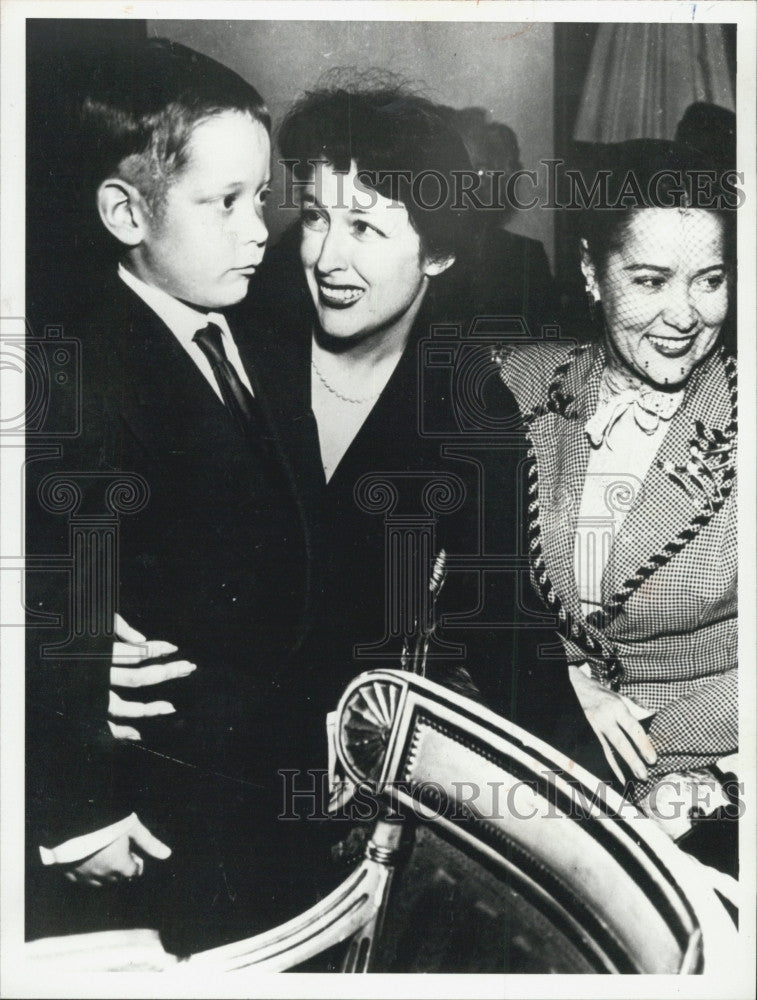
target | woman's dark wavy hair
x=377, y=121
x=141, y=104
x=655, y=173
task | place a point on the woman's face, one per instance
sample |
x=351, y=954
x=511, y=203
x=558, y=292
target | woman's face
x=664, y=292
x=362, y=257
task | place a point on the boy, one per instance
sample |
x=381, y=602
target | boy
x=216, y=554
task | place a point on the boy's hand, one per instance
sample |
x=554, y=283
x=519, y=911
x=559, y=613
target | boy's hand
x=131, y=647
x=118, y=861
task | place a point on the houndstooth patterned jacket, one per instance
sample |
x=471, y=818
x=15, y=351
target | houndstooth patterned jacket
x=668, y=634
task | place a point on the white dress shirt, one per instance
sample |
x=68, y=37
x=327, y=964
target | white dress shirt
x=78, y=848
x=184, y=321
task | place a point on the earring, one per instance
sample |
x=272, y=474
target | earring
x=592, y=298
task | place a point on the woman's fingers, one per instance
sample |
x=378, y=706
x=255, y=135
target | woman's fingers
x=124, y=732
x=610, y=756
x=139, y=677
x=154, y=673
x=128, y=652
x=120, y=708
x=640, y=739
x=621, y=736
x=124, y=631
x=615, y=744
x=132, y=647
x=627, y=750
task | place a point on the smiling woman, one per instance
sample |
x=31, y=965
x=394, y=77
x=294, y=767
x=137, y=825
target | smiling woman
x=633, y=510
x=364, y=266
x=664, y=292
x=357, y=291
x=369, y=247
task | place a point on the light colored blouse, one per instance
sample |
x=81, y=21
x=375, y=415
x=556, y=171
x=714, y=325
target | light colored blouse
x=626, y=432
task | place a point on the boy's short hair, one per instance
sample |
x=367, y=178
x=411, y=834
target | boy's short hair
x=142, y=104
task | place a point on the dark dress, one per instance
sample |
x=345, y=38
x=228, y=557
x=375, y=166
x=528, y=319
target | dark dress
x=438, y=463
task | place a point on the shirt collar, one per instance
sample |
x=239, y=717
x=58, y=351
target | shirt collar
x=181, y=319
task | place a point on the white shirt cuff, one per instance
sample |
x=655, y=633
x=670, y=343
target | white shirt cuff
x=79, y=848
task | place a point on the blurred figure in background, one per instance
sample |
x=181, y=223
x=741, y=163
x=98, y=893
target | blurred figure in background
x=710, y=129
x=512, y=275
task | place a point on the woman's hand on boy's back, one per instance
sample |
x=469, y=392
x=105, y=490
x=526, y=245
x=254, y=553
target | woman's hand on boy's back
x=129, y=650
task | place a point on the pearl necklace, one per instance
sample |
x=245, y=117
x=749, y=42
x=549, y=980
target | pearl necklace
x=354, y=401
x=339, y=395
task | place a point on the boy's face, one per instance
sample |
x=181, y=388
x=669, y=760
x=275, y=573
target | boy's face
x=207, y=238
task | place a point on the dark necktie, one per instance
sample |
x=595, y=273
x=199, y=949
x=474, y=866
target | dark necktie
x=237, y=397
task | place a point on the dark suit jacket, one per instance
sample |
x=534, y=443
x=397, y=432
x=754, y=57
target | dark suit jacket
x=217, y=555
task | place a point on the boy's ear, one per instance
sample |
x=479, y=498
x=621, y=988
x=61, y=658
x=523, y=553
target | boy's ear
x=437, y=265
x=123, y=211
